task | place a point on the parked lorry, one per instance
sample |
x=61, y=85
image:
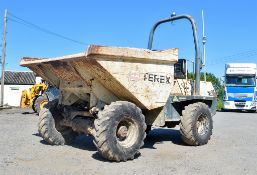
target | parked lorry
x=240, y=87
x=115, y=94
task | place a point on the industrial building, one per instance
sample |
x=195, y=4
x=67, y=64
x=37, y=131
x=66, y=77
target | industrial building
x=14, y=83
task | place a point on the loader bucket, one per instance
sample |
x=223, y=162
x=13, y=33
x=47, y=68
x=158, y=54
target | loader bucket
x=141, y=76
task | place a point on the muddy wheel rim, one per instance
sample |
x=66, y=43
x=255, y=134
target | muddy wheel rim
x=43, y=103
x=127, y=132
x=202, y=124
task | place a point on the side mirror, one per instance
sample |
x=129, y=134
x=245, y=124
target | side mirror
x=180, y=69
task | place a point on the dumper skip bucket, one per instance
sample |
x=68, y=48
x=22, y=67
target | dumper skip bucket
x=141, y=76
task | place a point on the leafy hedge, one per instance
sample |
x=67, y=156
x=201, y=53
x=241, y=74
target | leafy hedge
x=218, y=86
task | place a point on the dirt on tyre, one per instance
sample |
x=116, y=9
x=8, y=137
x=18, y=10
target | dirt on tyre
x=49, y=126
x=120, y=131
x=40, y=102
x=196, y=124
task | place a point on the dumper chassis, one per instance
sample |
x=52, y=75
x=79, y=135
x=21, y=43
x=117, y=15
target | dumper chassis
x=116, y=94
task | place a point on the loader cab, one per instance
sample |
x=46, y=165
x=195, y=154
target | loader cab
x=180, y=69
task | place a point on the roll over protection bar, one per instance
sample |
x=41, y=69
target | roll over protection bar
x=198, y=57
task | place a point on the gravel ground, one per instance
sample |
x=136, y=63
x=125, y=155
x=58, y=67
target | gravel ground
x=232, y=150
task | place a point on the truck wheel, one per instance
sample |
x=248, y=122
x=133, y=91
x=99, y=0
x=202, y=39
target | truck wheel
x=49, y=126
x=40, y=102
x=196, y=124
x=120, y=131
x=33, y=104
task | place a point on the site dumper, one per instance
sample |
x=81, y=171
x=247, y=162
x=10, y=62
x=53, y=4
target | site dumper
x=116, y=94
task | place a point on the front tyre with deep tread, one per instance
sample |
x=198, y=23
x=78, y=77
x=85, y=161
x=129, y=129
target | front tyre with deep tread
x=40, y=102
x=49, y=127
x=196, y=124
x=120, y=131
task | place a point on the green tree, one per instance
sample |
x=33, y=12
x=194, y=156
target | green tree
x=218, y=86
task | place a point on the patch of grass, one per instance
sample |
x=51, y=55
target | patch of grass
x=219, y=104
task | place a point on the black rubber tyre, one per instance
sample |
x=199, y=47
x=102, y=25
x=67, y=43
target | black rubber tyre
x=196, y=124
x=33, y=104
x=49, y=127
x=120, y=131
x=40, y=102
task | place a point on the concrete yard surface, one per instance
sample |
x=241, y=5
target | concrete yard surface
x=231, y=150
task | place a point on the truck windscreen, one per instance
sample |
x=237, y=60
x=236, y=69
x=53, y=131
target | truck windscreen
x=240, y=81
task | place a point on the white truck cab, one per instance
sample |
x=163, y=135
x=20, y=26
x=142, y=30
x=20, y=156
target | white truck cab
x=240, y=87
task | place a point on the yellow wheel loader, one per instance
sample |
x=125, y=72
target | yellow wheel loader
x=38, y=96
x=34, y=98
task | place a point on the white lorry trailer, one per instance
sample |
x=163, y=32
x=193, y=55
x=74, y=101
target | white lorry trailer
x=240, y=87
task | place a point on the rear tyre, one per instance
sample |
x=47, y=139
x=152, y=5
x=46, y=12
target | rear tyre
x=33, y=104
x=120, y=131
x=49, y=126
x=40, y=102
x=196, y=124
